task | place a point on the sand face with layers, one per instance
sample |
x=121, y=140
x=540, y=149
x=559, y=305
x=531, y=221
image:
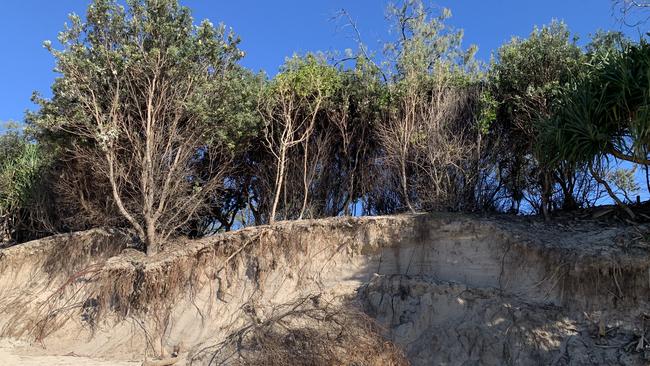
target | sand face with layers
x=421, y=289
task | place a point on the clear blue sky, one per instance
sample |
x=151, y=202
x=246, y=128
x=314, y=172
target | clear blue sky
x=272, y=30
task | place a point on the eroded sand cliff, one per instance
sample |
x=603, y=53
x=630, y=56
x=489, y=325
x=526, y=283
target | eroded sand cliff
x=437, y=289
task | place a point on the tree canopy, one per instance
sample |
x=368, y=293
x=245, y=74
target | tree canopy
x=155, y=126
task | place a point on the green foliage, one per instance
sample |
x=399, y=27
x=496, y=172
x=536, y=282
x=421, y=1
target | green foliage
x=625, y=181
x=607, y=111
x=114, y=43
x=530, y=74
x=426, y=45
x=466, y=137
x=309, y=78
x=18, y=175
x=603, y=42
x=487, y=111
x=22, y=164
x=230, y=109
x=528, y=79
x=148, y=94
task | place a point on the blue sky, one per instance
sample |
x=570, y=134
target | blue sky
x=272, y=30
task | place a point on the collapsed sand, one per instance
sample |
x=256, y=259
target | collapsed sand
x=424, y=289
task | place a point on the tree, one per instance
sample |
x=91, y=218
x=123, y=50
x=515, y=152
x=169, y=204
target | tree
x=425, y=137
x=289, y=106
x=353, y=117
x=606, y=114
x=130, y=98
x=528, y=77
x=233, y=122
x=23, y=165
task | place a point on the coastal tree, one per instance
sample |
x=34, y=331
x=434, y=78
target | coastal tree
x=129, y=101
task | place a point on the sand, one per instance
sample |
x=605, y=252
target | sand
x=448, y=289
x=19, y=353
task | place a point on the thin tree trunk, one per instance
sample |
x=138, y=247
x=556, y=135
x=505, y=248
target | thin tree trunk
x=305, y=182
x=405, y=185
x=611, y=193
x=545, y=196
x=278, y=184
x=118, y=199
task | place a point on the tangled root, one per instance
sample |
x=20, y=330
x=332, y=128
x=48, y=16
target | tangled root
x=305, y=332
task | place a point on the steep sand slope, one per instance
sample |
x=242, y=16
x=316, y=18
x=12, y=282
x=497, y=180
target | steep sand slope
x=448, y=289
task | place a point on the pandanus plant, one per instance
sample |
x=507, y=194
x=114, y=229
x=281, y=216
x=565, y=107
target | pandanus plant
x=604, y=115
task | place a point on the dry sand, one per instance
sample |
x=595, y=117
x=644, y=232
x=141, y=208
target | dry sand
x=21, y=354
x=448, y=289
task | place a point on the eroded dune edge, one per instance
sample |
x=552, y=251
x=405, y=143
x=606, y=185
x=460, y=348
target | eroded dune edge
x=413, y=289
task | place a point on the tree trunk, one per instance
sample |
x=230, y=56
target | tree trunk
x=546, y=189
x=305, y=182
x=611, y=193
x=278, y=184
x=152, y=240
x=405, y=185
